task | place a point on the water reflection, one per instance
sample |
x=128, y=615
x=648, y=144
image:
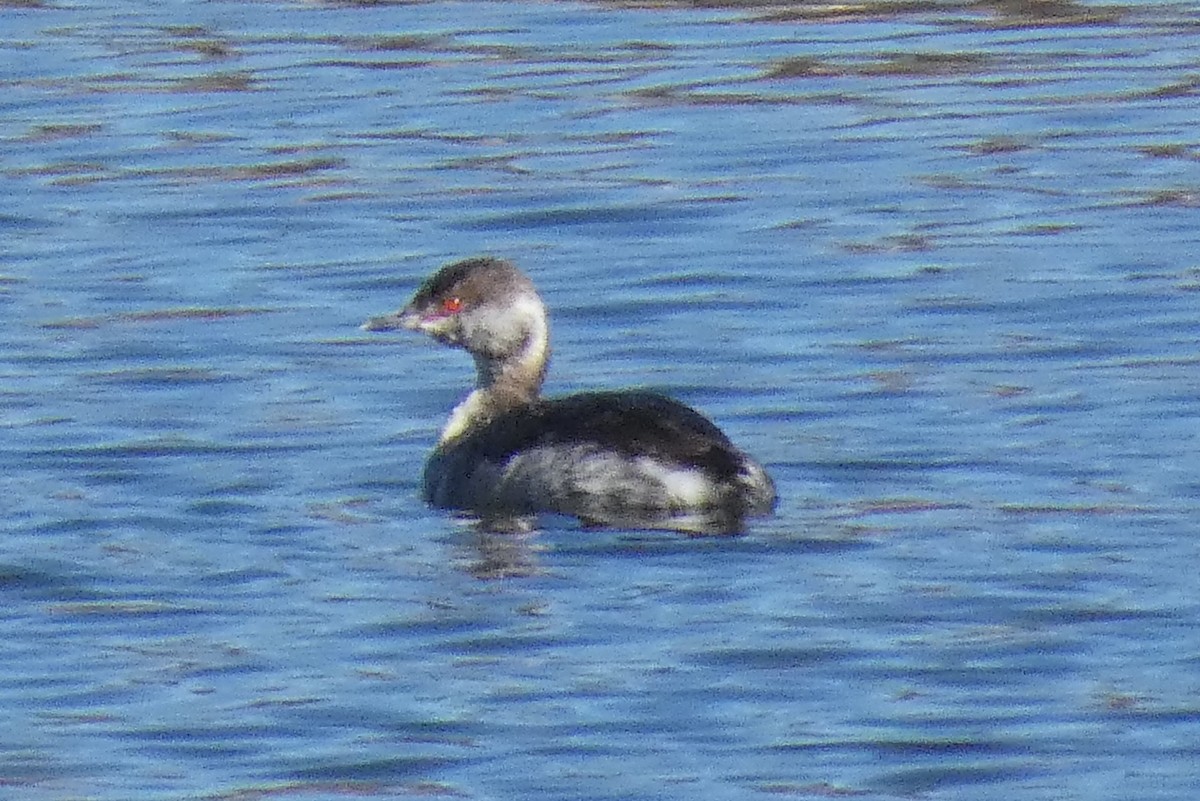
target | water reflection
x=500, y=550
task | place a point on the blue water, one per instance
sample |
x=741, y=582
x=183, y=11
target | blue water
x=937, y=269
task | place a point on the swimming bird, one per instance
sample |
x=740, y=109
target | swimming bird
x=627, y=458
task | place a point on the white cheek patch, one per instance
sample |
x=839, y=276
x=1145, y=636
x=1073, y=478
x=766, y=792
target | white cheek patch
x=517, y=333
x=532, y=313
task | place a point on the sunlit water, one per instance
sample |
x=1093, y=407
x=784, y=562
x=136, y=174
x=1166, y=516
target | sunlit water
x=940, y=270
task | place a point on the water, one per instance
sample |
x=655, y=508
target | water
x=936, y=267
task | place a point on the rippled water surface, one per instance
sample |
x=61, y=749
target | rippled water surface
x=937, y=266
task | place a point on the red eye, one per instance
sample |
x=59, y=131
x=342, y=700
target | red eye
x=452, y=305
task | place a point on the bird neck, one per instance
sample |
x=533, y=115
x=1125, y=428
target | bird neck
x=502, y=383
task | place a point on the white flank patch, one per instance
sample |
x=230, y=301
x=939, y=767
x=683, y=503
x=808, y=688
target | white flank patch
x=684, y=487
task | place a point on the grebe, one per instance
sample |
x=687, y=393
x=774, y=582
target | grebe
x=629, y=458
